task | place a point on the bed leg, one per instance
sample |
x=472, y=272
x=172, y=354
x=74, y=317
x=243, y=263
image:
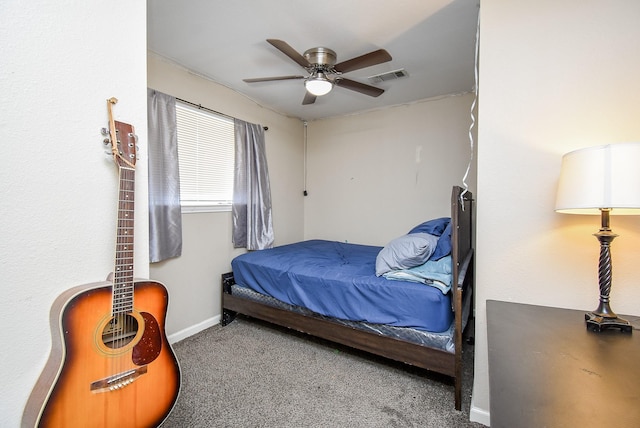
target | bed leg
x=227, y=280
x=228, y=317
x=458, y=393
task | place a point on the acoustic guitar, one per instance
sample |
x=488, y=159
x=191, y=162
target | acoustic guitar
x=110, y=363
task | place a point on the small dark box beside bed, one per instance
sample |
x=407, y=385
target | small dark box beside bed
x=317, y=287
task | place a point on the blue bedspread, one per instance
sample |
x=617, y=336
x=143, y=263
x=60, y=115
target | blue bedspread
x=338, y=280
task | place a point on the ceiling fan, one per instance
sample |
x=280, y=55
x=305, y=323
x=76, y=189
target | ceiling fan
x=323, y=71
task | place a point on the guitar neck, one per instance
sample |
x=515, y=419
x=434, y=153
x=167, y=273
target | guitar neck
x=123, y=271
x=123, y=140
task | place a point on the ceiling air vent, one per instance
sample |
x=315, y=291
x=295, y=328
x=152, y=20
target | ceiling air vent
x=390, y=75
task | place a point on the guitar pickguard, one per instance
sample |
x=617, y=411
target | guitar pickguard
x=150, y=345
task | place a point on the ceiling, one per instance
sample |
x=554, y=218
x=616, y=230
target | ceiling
x=225, y=41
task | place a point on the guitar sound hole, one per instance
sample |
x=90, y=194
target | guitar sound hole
x=119, y=331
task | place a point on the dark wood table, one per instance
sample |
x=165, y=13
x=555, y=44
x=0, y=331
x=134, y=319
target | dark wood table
x=547, y=370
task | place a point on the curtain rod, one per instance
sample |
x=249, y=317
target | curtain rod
x=266, y=128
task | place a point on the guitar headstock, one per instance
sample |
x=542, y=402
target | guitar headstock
x=123, y=144
x=122, y=138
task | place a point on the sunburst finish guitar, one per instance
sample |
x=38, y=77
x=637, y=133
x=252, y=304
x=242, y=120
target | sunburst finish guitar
x=110, y=363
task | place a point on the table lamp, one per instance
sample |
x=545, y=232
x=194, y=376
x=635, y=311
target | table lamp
x=602, y=180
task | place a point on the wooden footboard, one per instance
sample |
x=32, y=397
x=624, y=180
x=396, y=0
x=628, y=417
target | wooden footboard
x=396, y=349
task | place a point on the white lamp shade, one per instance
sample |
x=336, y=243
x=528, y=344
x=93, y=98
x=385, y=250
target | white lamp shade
x=319, y=85
x=600, y=177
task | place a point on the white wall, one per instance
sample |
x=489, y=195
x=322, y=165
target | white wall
x=371, y=177
x=554, y=77
x=60, y=62
x=193, y=279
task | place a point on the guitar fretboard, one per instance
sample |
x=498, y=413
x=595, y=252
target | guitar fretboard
x=123, y=272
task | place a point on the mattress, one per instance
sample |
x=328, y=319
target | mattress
x=338, y=280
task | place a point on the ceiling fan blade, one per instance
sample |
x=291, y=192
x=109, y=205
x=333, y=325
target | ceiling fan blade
x=372, y=91
x=290, y=52
x=362, y=61
x=268, y=79
x=309, y=98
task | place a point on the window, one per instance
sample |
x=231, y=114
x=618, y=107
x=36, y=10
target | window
x=206, y=155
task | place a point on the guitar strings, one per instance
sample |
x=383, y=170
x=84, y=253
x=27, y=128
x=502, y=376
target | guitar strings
x=124, y=326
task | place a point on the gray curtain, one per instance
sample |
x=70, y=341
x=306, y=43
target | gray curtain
x=251, y=209
x=165, y=218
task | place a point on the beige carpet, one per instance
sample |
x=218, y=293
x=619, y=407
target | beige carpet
x=253, y=374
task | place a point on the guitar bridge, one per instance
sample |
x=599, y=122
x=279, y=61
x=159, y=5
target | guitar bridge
x=117, y=381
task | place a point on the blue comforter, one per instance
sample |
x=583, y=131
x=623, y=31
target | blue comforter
x=338, y=279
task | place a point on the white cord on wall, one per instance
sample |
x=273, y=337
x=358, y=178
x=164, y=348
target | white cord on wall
x=473, y=117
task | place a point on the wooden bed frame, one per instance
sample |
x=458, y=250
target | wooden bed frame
x=437, y=360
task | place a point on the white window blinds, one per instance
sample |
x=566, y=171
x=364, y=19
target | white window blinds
x=206, y=155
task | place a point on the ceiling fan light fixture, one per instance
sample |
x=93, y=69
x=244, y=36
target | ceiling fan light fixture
x=318, y=84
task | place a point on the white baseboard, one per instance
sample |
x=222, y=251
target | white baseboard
x=190, y=331
x=479, y=415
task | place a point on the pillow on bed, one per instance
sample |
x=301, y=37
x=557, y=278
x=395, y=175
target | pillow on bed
x=406, y=252
x=437, y=274
x=444, y=244
x=433, y=227
x=439, y=227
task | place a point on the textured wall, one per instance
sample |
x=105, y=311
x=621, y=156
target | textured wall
x=60, y=62
x=554, y=77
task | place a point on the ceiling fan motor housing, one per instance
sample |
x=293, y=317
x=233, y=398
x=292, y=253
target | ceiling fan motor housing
x=321, y=56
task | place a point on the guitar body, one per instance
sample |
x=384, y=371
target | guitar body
x=110, y=363
x=100, y=374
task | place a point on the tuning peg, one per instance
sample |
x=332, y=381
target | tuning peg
x=106, y=141
x=104, y=131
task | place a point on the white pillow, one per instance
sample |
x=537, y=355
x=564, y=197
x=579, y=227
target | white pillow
x=405, y=252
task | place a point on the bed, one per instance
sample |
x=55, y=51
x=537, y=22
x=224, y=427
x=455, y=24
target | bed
x=391, y=321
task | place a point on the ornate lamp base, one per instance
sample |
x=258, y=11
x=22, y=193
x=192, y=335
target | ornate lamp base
x=599, y=323
x=603, y=317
